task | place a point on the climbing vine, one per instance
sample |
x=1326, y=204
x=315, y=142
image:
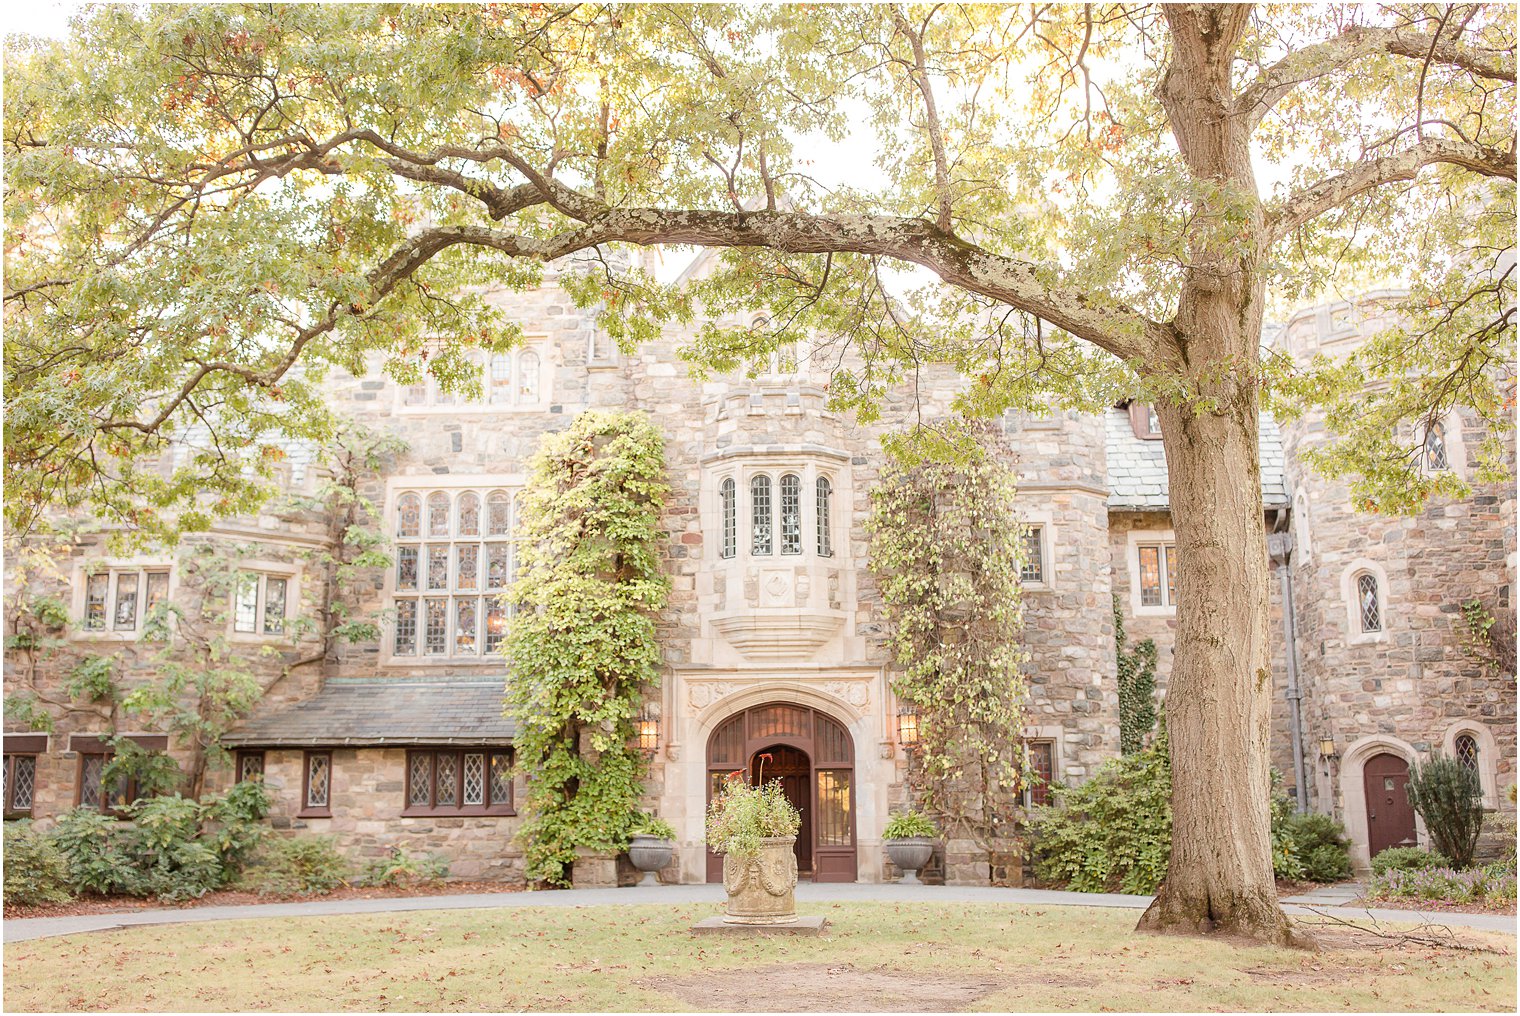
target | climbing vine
x=1137, y=686
x=947, y=553
x=1492, y=647
x=581, y=647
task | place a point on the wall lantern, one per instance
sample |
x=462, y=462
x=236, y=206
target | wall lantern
x=1327, y=748
x=907, y=724
x=649, y=733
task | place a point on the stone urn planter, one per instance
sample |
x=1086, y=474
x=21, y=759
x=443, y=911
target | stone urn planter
x=650, y=854
x=762, y=887
x=910, y=853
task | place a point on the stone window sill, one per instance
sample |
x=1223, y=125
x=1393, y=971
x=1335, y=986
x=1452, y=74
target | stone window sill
x=473, y=811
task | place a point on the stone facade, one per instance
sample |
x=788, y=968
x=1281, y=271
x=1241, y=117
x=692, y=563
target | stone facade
x=748, y=630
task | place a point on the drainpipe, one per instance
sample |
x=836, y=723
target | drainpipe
x=1280, y=546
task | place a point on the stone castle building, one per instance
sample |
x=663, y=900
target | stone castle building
x=774, y=632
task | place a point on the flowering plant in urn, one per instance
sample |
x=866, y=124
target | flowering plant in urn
x=754, y=829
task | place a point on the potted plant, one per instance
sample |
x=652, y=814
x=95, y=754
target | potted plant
x=909, y=842
x=651, y=847
x=754, y=828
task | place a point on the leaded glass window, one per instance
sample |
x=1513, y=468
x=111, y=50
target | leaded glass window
x=1033, y=569
x=507, y=379
x=90, y=768
x=527, y=377
x=834, y=806
x=95, y=591
x=1467, y=751
x=467, y=781
x=728, y=508
x=761, y=515
x=1158, y=575
x=1368, y=605
x=249, y=765
x=20, y=783
x=1435, y=449
x=824, y=491
x=318, y=780
x=408, y=516
x=791, y=514
x=124, y=615
x=462, y=566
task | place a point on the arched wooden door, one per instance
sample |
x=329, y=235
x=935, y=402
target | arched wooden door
x=1390, y=816
x=814, y=757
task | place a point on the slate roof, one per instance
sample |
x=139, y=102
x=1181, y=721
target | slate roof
x=378, y=711
x=1137, y=477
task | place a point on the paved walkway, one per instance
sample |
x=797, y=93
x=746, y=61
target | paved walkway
x=857, y=892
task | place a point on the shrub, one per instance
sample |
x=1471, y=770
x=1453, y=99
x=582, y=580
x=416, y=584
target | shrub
x=1449, y=798
x=1112, y=832
x=909, y=824
x=297, y=866
x=1494, y=883
x=1319, y=845
x=35, y=869
x=402, y=869
x=650, y=826
x=741, y=816
x=95, y=852
x=1286, y=860
x=1407, y=859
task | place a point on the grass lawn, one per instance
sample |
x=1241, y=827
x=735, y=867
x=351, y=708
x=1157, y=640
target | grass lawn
x=875, y=956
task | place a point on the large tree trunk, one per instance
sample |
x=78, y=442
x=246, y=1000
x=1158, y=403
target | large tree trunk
x=1219, y=879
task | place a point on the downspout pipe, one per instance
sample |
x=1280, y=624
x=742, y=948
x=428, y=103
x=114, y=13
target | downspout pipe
x=1280, y=546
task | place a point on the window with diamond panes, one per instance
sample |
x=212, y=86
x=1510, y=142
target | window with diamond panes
x=1033, y=569
x=316, y=795
x=20, y=783
x=458, y=781
x=94, y=792
x=1369, y=607
x=1435, y=449
x=249, y=765
x=506, y=380
x=455, y=555
x=1466, y=750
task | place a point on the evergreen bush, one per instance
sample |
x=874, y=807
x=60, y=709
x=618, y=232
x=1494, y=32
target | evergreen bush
x=1320, y=846
x=1407, y=859
x=297, y=866
x=36, y=872
x=1448, y=796
x=1112, y=833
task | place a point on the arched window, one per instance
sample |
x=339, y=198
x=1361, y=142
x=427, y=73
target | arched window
x=527, y=377
x=791, y=514
x=1368, y=606
x=469, y=514
x=760, y=514
x=500, y=386
x=825, y=517
x=1466, y=747
x=1435, y=449
x=498, y=513
x=728, y=508
x=409, y=515
x=438, y=514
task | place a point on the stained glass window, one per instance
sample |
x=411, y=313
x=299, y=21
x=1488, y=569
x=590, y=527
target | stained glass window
x=438, y=514
x=469, y=514
x=409, y=515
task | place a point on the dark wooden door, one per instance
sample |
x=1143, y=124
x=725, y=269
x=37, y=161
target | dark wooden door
x=794, y=769
x=1390, y=816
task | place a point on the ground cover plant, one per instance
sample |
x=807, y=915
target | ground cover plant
x=641, y=958
x=1483, y=884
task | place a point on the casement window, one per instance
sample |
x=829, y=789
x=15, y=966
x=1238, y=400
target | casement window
x=20, y=784
x=511, y=380
x=248, y=765
x=1158, y=574
x=825, y=516
x=1433, y=456
x=316, y=784
x=777, y=514
x=458, y=781
x=1465, y=750
x=1042, y=772
x=1032, y=572
x=95, y=752
x=1369, y=604
x=119, y=600
x=456, y=554
x=261, y=603
x=1144, y=420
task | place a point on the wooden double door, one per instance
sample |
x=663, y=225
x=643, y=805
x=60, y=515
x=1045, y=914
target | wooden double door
x=812, y=757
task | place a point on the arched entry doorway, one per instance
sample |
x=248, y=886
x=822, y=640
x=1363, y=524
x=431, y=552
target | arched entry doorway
x=814, y=758
x=1390, y=816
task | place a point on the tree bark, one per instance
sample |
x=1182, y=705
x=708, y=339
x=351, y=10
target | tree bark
x=1219, y=879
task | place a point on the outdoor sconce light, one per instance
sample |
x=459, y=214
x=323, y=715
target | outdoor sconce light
x=907, y=724
x=649, y=733
x=1327, y=748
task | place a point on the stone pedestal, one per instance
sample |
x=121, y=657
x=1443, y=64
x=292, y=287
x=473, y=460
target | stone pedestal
x=804, y=924
x=593, y=870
